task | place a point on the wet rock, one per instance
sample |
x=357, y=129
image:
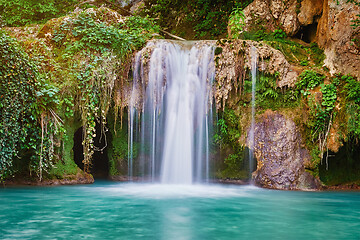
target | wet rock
x=280, y=156
x=234, y=61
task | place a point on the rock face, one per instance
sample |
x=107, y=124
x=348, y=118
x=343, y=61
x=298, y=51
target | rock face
x=340, y=41
x=331, y=22
x=310, y=11
x=234, y=60
x=280, y=156
x=272, y=14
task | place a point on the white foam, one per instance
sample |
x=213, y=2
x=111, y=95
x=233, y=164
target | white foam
x=163, y=191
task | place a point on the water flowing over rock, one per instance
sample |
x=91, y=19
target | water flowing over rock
x=235, y=60
x=172, y=92
x=331, y=21
x=280, y=155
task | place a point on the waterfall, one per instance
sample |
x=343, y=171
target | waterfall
x=172, y=94
x=254, y=58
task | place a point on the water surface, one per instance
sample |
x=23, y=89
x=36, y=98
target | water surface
x=107, y=210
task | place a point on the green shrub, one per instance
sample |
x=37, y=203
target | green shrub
x=352, y=93
x=26, y=101
x=16, y=13
x=237, y=22
x=279, y=34
x=308, y=80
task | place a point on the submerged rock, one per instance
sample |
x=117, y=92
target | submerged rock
x=280, y=155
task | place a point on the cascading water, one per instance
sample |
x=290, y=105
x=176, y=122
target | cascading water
x=254, y=58
x=175, y=89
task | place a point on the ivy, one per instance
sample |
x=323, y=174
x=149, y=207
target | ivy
x=25, y=101
x=104, y=41
x=352, y=93
x=328, y=97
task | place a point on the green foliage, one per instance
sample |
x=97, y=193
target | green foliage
x=105, y=46
x=25, y=99
x=262, y=35
x=21, y=12
x=317, y=54
x=222, y=130
x=266, y=88
x=352, y=93
x=328, y=97
x=320, y=113
x=87, y=31
x=279, y=34
x=294, y=52
x=320, y=116
x=199, y=18
x=118, y=149
x=227, y=129
x=234, y=166
x=351, y=88
x=269, y=96
x=74, y=77
x=227, y=135
x=237, y=22
x=259, y=35
x=308, y=80
x=304, y=63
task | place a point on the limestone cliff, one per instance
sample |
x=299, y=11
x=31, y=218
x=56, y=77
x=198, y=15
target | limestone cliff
x=328, y=23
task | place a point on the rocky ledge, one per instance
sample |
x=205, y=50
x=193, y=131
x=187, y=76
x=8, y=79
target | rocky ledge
x=80, y=178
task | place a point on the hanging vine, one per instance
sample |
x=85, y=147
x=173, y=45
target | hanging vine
x=26, y=122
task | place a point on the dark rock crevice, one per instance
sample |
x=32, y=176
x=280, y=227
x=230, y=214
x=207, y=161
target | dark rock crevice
x=100, y=159
x=307, y=33
x=342, y=166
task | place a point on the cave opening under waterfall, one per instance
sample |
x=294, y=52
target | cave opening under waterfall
x=100, y=161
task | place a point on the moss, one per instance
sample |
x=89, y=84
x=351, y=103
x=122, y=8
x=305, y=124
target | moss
x=66, y=166
x=118, y=146
x=218, y=50
x=299, y=54
x=343, y=166
x=230, y=173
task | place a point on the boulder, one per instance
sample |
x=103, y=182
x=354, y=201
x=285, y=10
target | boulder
x=280, y=155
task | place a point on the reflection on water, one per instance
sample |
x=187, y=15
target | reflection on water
x=144, y=211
